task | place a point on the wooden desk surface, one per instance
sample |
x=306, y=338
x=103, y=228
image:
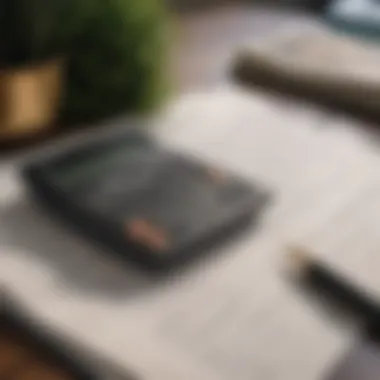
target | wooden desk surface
x=324, y=171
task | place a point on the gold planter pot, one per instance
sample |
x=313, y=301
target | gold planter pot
x=29, y=100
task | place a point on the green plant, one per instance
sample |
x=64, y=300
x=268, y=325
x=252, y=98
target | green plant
x=115, y=50
x=118, y=62
x=35, y=30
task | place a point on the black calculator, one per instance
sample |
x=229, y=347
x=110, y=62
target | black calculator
x=153, y=206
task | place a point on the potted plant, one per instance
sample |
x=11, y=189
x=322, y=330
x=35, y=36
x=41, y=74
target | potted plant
x=34, y=36
x=78, y=59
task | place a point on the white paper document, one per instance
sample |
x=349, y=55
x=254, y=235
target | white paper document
x=233, y=316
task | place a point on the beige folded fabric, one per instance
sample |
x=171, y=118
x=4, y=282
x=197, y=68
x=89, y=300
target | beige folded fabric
x=317, y=62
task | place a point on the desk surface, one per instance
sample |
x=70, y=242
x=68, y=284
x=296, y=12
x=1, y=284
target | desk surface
x=324, y=171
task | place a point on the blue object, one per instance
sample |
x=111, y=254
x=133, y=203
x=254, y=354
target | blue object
x=356, y=16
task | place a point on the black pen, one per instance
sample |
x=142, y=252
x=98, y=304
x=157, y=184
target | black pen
x=337, y=289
